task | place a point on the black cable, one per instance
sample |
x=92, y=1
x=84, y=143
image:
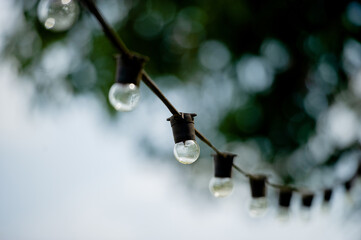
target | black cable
x=120, y=45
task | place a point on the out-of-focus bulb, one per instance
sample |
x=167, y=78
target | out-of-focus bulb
x=305, y=213
x=348, y=185
x=58, y=15
x=221, y=187
x=186, y=152
x=349, y=200
x=124, y=97
x=258, y=207
x=283, y=214
x=326, y=207
x=327, y=195
x=358, y=181
x=307, y=200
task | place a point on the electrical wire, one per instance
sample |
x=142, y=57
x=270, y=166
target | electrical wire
x=122, y=48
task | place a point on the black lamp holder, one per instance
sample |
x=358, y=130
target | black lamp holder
x=327, y=195
x=129, y=68
x=183, y=127
x=307, y=199
x=258, y=186
x=223, y=164
x=285, y=196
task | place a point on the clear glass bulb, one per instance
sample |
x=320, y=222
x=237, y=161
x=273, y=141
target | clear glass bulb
x=305, y=213
x=283, y=214
x=349, y=198
x=221, y=187
x=58, y=15
x=326, y=207
x=186, y=152
x=124, y=97
x=258, y=207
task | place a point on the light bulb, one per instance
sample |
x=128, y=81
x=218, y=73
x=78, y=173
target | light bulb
x=58, y=15
x=307, y=200
x=326, y=204
x=305, y=213
x=358, y=181
x=221, y=187
x=124, y=97
x=258, y=207
x=349, y=200
x=326, y=207
x=186, y=152
x=283, y=214
x=348, y=185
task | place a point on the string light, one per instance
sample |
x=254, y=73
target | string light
x=358, y=173
x=258, y=204
x=124, y=94
x=284, y=202
x=221, y=185
x=307, y=200
x=348, y=186
x=58, y=15
x=186, y=149
x=327, y=196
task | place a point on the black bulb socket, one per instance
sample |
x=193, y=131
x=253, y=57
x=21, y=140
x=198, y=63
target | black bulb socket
x=307, y=199
x=285, y=197
x=348, y=185
x=327, y=195
x=258, y=186
x=129, y=68
x=223, y=165
x=183, y=127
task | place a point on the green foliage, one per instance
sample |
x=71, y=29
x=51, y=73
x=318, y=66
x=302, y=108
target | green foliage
x=171, y=33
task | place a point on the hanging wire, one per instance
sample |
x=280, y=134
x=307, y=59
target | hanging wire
x=119, y=44
x=108, y=31
x=122, y=48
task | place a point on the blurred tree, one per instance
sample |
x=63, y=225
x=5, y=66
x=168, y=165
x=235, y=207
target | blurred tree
x=290, y=60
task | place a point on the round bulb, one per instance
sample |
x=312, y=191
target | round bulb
x=305, y=213
x=124, y=97
x=326, y=207
x=58, y=15
x=349, y=200
x=258, y=207
x=186, y=152
x=283, y=214
x=221, y=187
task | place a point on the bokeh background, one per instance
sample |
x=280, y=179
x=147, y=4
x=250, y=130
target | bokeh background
x=276, y=82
